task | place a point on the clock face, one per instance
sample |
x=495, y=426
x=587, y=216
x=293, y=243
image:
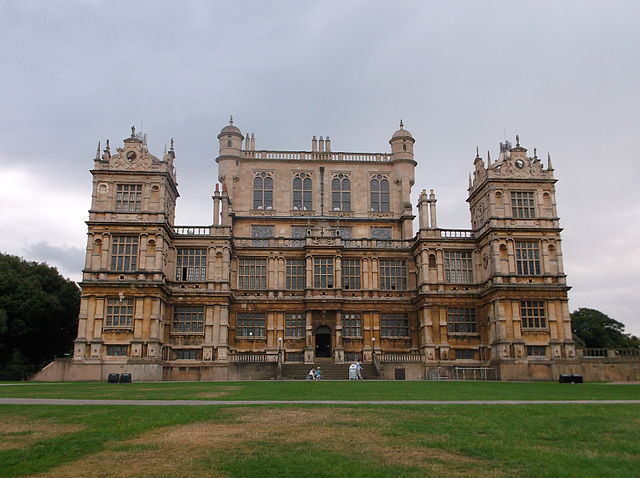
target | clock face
x=131, y=155
x=519, y=163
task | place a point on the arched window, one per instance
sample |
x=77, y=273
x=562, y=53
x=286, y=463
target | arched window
x=379, y=193
x=341, y=193
x=302, y=192
x=263, y=191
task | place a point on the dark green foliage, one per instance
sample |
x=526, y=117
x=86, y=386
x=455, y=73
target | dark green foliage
x=38, y=316
x=593, y=329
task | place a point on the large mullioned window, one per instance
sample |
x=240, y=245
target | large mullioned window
x=351, y=274
x=352, y=325
x=461, y=321
x=188, y=319
x=250, y=325
x=393, y=274
x=527, y=258
x=394, y=325
x=191, y=265
x=119, y=312
x=523, y=204
x=252, y=274
x=263, y=191
x=379, y=188
x=533, y=314
x=458, y=267
x=323, y=272
x=294, y=325
x=124, y=253
x=341, y=193
x=296, y=274
x=128, y=197
x=302, y=192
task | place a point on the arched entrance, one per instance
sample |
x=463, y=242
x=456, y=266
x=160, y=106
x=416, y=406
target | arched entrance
x=323, y=341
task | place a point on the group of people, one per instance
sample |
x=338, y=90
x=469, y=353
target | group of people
x=314, y=374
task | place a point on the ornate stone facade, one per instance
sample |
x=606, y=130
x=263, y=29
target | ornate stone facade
x=312, y=254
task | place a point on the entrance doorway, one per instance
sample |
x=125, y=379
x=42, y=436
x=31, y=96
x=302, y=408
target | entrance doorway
x=323, y=341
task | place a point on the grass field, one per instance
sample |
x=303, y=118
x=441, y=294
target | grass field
x=327, y=390
x=353, y=441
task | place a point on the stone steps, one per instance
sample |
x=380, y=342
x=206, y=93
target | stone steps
x=330, y=371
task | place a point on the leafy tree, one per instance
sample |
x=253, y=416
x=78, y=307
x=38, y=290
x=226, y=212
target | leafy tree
x=594, y=329
x=38, y=316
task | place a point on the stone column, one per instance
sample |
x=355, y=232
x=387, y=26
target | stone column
x=309, y=350
x=223, y=347
x=339, y=350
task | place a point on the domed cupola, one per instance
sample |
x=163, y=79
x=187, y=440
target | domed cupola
x=230, y=139
x=402, y=143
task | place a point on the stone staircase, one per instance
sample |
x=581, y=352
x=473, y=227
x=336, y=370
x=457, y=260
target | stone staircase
x=330, y=370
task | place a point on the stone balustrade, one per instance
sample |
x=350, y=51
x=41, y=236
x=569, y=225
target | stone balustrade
x=316, y=155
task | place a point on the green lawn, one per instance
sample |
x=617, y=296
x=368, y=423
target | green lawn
x=321, y=441
x=327, y=390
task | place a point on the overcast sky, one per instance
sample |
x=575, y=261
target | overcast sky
x=565, y=76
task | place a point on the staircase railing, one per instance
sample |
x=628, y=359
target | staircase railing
x=377, y=364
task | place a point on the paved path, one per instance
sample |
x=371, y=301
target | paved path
x=66, y=401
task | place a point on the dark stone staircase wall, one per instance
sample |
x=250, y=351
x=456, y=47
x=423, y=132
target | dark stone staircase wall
x=330, y=371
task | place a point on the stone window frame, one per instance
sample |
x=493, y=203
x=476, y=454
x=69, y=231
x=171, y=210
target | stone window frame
x=523, y=204
x=341, y=195
x=351, y=273
x=392, y=274
x=187, y=354
x=188, y=319
x=527, y=254
x=379, y=193
x=263, y=190
x=458, y=266
x=191, y=264
x=533, y=315
x=128, y=197
x=296, y=274
x=250, y=325
x=394, y=326
x=295, y=325
x=536, y=350
x=352, y=326
x=119, y=312
x=323, y=272
x=302, y=193
x=462, y=321
x=470, y=354
x=124, y=253
x=117, y=350
x=252, y=273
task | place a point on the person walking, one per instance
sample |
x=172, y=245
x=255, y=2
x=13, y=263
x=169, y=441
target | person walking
x=359, y=369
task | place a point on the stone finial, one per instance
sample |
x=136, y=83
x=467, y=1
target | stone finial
x=133, y=131
x=98, y=151
x=477, y=153
x=535, y=153
x=107, y=148
x=230, y=120
x=172, y=144
x=549, y=166
x=488, y=158
x=401, y=125
x=517, y=140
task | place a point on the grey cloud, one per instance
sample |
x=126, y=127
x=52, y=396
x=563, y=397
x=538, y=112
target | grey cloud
x=68, y=260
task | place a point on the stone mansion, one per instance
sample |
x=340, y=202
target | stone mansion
x=312, y=257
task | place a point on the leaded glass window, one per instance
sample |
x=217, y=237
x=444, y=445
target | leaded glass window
x=458, y=267
x=188, y=319
x=119, y=312
x=263, y=191
x=341, y=193
x=461, y=321
x=523, y=204
x=252, y=274
x=379, y=188
x=124, y=253
x=352, y=325
x=302, y=192
x=532, y=313
x=394, y=325
x=296, y=274
x=393, y=274
x=128, y=197
x=323, y=272
x=351, y=274
x=191, y=265
x=294, y=325
x=250, y=325
x=527, y=258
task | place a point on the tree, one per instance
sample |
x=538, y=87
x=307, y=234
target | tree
x=594, y=329
x=38, y=316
